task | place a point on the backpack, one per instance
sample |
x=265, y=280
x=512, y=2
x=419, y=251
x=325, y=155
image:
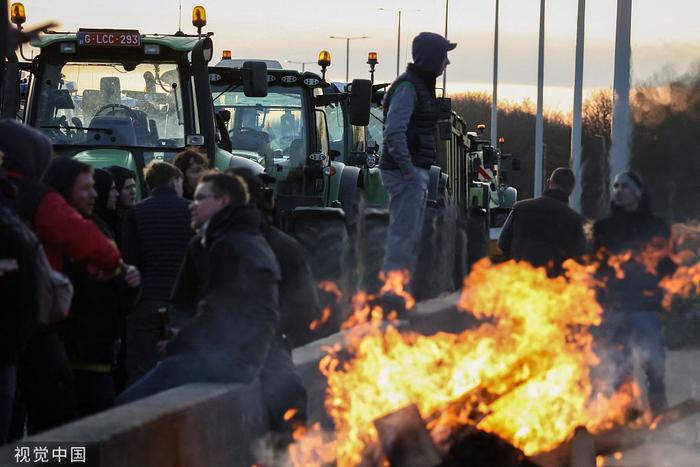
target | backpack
x=55, y=291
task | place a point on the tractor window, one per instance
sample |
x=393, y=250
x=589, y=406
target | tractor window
x=375, y=129
x=272, y=126
x=112, y=104
x=336, y=127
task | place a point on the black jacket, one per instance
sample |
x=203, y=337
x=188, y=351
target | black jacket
x=155, y=234
x=632, y=232
x=299, y=302
x=422, y=127
x=239, y=312
x=543, y=231
x=20, y=306
x=92, y=328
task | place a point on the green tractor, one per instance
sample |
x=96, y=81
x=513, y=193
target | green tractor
x=119, y=97
x=490, y=197
x=316, y=193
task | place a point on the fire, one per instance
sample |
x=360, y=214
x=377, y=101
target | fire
x=332, y=288
x=522, y=374
x=365, y=307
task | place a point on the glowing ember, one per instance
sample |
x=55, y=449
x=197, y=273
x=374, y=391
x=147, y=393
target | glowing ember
x=522, y=374
x=325, y=315
x=289, y=414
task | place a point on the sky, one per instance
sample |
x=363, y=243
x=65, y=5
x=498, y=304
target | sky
x=665, y=36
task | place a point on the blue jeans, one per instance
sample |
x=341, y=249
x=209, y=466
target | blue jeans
x=407, y=200
x=623, y=332
x=184, y=368
x=8, y=386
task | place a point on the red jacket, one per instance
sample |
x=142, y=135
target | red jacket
x=64, y=232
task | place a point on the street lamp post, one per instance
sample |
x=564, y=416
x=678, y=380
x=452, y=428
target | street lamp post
x=494, y=96
x=347, y=52
x=539, y=118
x=444, y=73
x=398, y=36
x=303, y=64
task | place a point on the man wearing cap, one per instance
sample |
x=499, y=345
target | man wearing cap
x=410, y=118
x=632, y=303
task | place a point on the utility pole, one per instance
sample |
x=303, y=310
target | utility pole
x=347, y=52
x=576, y=126
x=621, y=121
x=398, y=36
x=539, y=119
x=494, y=93
x=444, y=73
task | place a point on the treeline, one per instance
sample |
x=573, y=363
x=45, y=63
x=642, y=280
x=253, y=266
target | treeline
x=665, y=142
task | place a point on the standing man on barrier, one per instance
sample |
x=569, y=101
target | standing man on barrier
x=545, y=231
x=410, y=117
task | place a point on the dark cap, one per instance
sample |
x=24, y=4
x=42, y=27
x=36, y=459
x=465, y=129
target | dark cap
x=430, y=51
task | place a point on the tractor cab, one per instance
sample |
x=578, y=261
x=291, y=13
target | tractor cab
x=287, y=131
x=119, y=97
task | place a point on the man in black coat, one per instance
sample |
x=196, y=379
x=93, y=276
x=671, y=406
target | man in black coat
x=20, y=305
x=632, y=303
x=229, y=337
x=545, y=231
x=155, y=235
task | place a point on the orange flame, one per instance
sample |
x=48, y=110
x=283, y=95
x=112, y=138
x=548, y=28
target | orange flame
x=325, y=316
x=395, y=282
x=332, y=288
x=522, y=374
x=365, y=309
x=289, y=414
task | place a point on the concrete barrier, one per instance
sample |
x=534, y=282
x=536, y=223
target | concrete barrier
x=207, y=425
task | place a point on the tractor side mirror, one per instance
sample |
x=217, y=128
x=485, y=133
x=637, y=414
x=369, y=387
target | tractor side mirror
x=359, y=102
x=255, y=84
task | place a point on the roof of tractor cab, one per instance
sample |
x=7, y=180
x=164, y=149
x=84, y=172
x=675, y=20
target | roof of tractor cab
x=287, y=78
x=180, y=43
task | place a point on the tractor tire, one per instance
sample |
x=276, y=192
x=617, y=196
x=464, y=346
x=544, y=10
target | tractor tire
x=325, y=241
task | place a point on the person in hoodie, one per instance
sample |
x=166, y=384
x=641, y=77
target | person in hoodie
x=632, y=304
x=106, y=201
x=44, y=379
x=229, y=337
x=410, y=119
x=125, y=181
x=91, y=332
x=545, y=231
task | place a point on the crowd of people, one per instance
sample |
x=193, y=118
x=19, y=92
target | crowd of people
x=111, y=299
x=107, y=299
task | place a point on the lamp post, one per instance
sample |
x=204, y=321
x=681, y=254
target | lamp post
x=494, y=95
x=539, y=119
x=444, y=73
x=576, y=125
x=303, y=64
x=347, y=52
x=621, y=120
x=398, y=37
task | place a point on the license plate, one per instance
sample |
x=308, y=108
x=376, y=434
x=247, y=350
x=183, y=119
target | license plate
x=109, y=38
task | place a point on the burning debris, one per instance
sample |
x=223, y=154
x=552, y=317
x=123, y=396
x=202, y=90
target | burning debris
x=520, y=382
